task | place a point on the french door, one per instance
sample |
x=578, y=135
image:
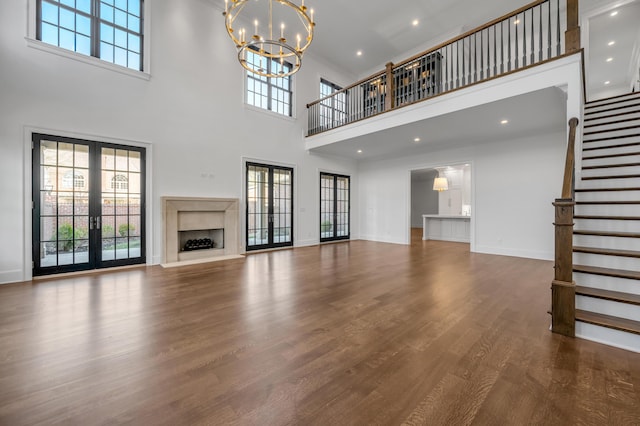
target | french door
x=335, y=207
x=88, y=205
x=269, y=206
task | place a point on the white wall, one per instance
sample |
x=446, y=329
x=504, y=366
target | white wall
x=514, y=183
x=191, y=112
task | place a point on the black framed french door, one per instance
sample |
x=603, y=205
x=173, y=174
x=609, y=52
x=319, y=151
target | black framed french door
x=269, y=206
x=88, y=204
x=335, y=207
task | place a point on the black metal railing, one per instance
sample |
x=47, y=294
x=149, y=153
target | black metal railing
x=520, y=39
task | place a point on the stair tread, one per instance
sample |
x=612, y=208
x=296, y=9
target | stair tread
x=617, y=129
x=598, y=157
x=626, y=120
x=609, y=252
x=608, y=321
x=611, y=177
x=620, y=145
x=616, y=296
x=605, y=203
x=601, y=217
x=609, y=166
x=618, y=108
x=608, y=234
x=610, y=138
x=617, y=273
x=602, y=117
x=607, y=189
x=610, y=99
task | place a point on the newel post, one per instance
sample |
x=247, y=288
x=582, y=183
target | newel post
x=389, y=100
x=563, y=288
x=572, y=35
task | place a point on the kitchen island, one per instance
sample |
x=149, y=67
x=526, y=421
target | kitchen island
x=446, y=227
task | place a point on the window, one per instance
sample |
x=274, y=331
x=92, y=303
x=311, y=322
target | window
x=273, y=94
x=332, y=110
x=119, y=182
x=269, y=202
x=107, y=29
x=334, y=207
x=88, y=204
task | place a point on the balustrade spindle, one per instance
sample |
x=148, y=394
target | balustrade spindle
x=558, y=27
x=516, y=54
x=549, y=32
x=540, y=39
x=495, y=52
x=533, y=55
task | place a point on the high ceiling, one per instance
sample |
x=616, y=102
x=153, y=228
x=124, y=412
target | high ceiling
x=383, y=31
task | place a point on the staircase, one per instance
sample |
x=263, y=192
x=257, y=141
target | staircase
x=606, y=237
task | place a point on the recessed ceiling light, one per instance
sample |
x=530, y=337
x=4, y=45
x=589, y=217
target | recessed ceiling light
x=609, y=59
x=504, y=122
x=359, y=53
x=614, y=13
x=611, y=43
x=607, y=82
x=416, y=140
x=359, y=151
x=415, y=22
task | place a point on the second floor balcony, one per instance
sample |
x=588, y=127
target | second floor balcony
x=535, y=34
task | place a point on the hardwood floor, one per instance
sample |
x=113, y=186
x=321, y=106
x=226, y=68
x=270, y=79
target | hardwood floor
x=349, y=333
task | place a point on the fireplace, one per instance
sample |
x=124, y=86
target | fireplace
x=200, y=229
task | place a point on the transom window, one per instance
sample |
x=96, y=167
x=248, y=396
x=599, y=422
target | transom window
x=107, y=29
x=332, y=110
x=273, y=94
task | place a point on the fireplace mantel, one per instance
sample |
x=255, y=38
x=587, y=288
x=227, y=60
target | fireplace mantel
x=192, y=214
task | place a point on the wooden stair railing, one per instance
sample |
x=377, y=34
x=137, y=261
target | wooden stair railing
x=526, y=37
x=563, y=288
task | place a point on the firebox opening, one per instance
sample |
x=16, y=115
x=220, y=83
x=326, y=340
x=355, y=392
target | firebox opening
x=201, y=239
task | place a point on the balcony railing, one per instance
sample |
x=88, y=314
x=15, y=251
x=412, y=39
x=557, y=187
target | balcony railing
x=525, y=37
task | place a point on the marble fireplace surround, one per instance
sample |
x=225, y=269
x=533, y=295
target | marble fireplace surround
x=189, y=213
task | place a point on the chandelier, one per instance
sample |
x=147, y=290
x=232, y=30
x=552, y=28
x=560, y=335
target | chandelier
x=264, y=49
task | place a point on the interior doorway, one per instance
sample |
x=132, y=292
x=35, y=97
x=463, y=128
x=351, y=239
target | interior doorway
x=441, y=203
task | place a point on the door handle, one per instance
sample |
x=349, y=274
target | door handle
x=90, y=223
x=98, y=222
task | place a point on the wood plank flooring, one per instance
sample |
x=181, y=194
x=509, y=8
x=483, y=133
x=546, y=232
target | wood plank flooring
x=353, y=333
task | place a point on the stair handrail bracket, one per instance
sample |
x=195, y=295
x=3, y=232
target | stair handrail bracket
x=563, y=287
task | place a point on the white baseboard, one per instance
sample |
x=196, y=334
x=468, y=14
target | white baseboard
x=11, y=276
x=609, y=337
x=306, y=243
x=506, y=251
x=381, y=240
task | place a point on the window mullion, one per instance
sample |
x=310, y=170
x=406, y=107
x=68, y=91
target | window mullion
x=95, y=28
x=269, y=86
